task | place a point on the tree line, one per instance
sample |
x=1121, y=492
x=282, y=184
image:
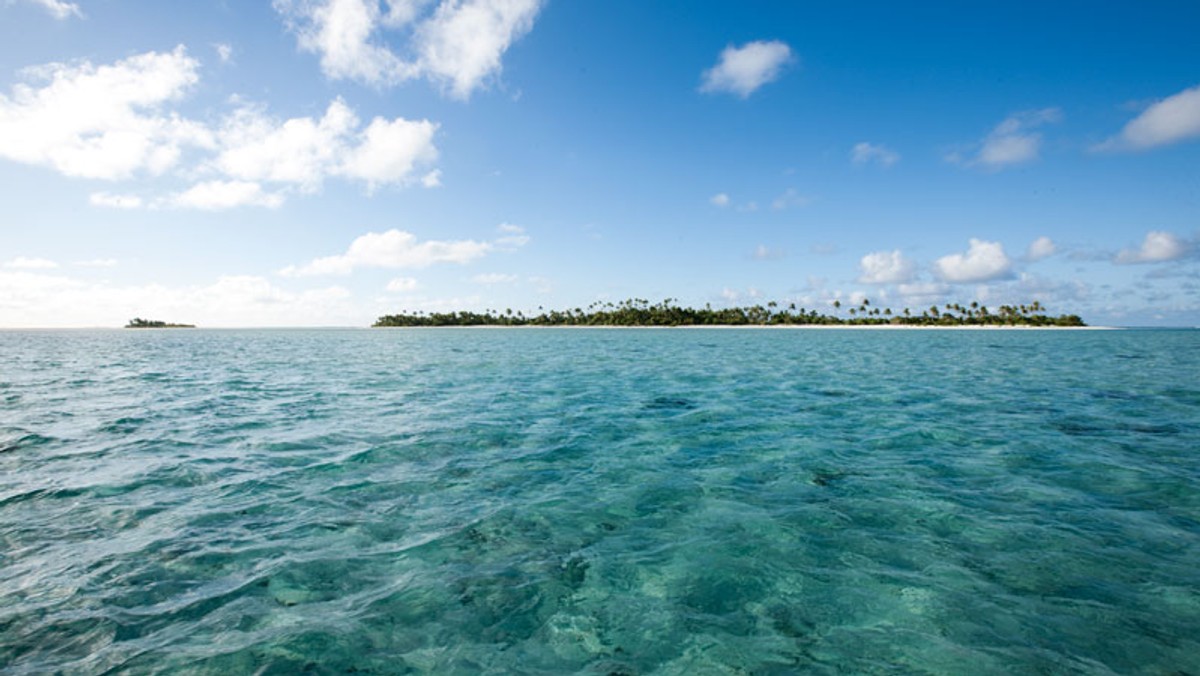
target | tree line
x=641, y=312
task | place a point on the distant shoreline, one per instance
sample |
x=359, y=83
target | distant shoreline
x=791, y=327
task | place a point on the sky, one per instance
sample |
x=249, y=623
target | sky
x=324, y=162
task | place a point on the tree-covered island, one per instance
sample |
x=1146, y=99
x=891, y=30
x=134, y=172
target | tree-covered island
x=139, y=323
x=640, y=312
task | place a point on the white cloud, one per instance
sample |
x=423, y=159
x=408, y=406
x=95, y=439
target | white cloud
x=220, y=195
x=24, y=263
x=789, y=198
x=742, y=70
x=720, y=200
x=983, y=261
x=762, y=252
x=224, y=51
x=1157, y=247
x=109, y=122
x=886, y=267
x=866, y=153
x=1013, y=141
x=402, y=285
x=1042, y=247
x=511, y=236
x=29, y=299
x=494, y=278
x=1171, y=120
x=388, y=152
x=458, y=44
x=920, y=293
x=113, y=201
x=461, y=44
x=97, y=263
x=58, y=9
x=104, y=121
x=393, y=249
x=432, y=180
x=303, y=151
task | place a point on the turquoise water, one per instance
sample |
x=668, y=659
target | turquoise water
x=599, y=501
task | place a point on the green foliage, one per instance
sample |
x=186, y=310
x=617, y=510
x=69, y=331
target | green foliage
x=139, y=323
x=640, y=312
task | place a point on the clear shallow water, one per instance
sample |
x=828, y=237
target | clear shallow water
x=599, y=501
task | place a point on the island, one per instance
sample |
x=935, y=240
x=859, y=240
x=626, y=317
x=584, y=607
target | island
x=640, y=312
x=139, y=323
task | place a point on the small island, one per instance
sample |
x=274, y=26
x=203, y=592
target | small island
x=640, y=312
x=139, y=323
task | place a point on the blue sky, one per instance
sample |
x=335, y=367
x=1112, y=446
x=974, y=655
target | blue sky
x=322, y=162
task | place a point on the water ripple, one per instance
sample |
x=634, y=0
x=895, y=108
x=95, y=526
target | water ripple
x=621, y=502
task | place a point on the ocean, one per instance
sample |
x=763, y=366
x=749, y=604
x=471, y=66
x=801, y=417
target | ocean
x=599, y=501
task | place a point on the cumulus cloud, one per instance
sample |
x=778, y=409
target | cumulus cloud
x=886, y=267
x=224, y=51
x=1171, y=120
x=114, y=201
x=866, y=153
x=1157, y=247
x=1011, y=142
x=304, y=151
x=221, y=195
x=393, y=249
x=742, y=70
x=982, y=262
x=112, y=122
x=719, y=200
x=58, y=9
x=458, y=44
x=1042, y=247
x=36, y=299
x=103, y=122
x=25, y=263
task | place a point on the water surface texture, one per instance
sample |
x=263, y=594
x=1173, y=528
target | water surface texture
x=552, y=501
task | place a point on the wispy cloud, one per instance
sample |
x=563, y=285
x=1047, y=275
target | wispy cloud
x=221, y=195
x=762, y=252
x=1172, y=120
x=867, y=153
x=26, y=263
x=1158, y=246
x=743, y=70
x=1011, y=142
x=790, y=198
x=392, y=249
x=58, y=9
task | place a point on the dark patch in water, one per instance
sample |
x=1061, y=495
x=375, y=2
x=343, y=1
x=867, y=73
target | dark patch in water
x=1131, y=356
x=670, y=404
x=573, y=572
x=25, y=441
x=826, y=477
x=1079, y=429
